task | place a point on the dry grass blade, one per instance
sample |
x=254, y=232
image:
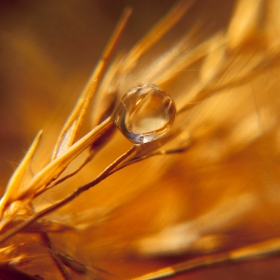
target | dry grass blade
x=41, y=180
x=51, y=171
x=248, y=253
x=12, y=191
x=72, y=125
x=203, y=92
x=103, y=175
x=105, y=100
x=47, y=242
x=157, y=148
x=155, y=34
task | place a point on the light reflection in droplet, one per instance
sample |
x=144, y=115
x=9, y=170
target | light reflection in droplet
x=145, y=113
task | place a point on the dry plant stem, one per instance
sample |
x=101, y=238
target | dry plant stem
x=48, y=243
x=72, y=125
x=42, y=179
x=247, y=253
x=52, y=170
x=46, y=240
x=158, y=153
x=87, y=160
x=207, y=91
x=18, y=175
x=103, y=175
x=159, y=30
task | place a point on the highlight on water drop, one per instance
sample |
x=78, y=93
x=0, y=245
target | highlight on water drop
x=145, y=113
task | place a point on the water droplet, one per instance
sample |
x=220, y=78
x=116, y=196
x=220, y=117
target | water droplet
x=145, y=113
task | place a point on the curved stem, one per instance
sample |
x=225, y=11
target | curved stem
x=247, y=253
x=104, y=174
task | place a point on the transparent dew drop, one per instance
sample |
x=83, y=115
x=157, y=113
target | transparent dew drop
x=145, y=113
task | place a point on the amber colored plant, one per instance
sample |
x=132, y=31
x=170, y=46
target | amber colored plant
x=205, y=193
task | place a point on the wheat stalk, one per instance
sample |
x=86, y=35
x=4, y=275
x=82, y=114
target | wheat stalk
x=211, y=127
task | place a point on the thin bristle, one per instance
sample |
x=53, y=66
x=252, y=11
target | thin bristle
x=72, y=125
